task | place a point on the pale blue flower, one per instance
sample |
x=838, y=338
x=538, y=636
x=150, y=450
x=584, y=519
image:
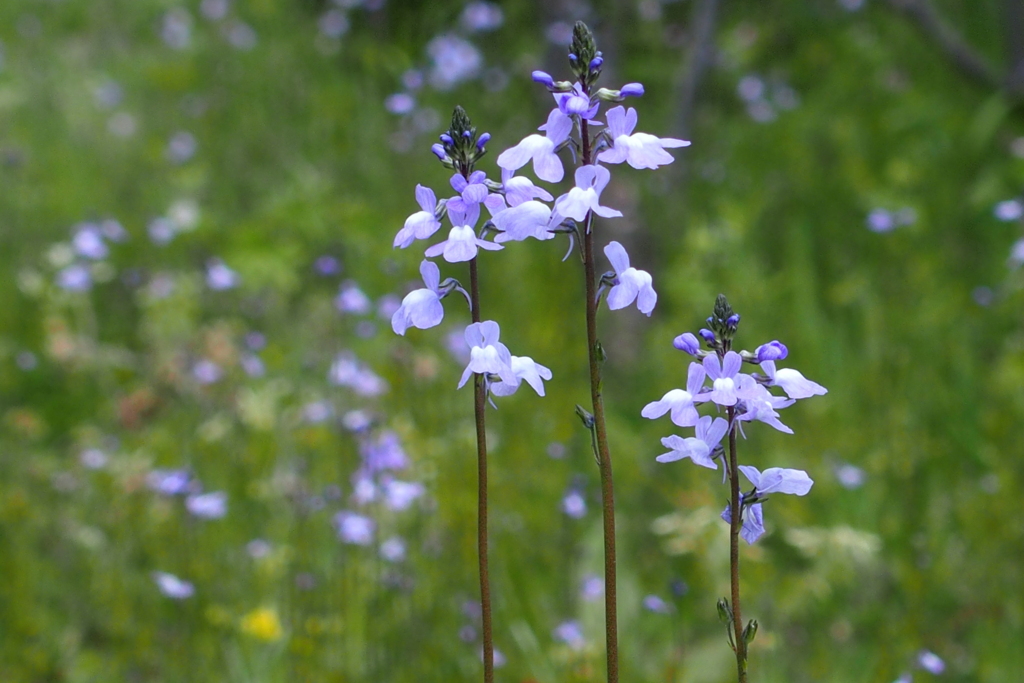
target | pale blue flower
x=753, y=521
x=930, y=662
x=421, y=308
x=574, y=504
x=699, y=448
x=592, y=588
x=169, y=482
x=653, y=603
x=462, y=245
x=519, y=189
x=639, y=150
x=541, y=149
x=487, y=356
x=728, y=386
x=772, y=480
x=759, y=404
x=399, y=495
x=571, y=633
x=586, y=196
x=631, y=284
x=792, y=382
x=679, y=401
x=524, y=369
x=422, y=224
x=354, y=528
x=219, y=276
x=528, y=219
x=88, y=242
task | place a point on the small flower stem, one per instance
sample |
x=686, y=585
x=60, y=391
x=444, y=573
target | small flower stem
x=601, y=432
x=480, y=404
x=734, y=550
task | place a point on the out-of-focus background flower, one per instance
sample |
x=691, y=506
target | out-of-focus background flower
x=217, y=462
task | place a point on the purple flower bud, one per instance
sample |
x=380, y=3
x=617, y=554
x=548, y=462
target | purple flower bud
x=773, y=350
x=572, y=57
x=632, y=90
x=467, y=134
x=733, y=320
x=447, y=139
x=707, y=335
x=543, y=78
x=482, y=140
x=596, y=63
x=438, y=151
x=687, y=342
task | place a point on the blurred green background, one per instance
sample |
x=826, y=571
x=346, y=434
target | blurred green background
x=239, y=169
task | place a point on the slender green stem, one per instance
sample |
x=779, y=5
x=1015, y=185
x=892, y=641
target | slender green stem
x=480, y=404
x=734, y=551
x=601, y=433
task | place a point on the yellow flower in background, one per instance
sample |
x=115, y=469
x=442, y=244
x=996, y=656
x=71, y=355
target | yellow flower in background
x=262, y=624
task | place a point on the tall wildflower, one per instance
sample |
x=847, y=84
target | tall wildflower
x=717, y=380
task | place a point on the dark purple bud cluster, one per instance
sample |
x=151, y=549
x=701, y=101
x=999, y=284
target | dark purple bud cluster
x=460, y=148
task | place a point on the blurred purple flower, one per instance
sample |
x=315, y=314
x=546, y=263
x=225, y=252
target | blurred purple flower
x=219, y=276
x=850, y=476
x=351, y=299
x=574, y=504
x=354, y=528
x=213, y=505
x=453, y=60
x=400, y=103
x=206, y=372
x=241, y=36
x=88, y=242
x=592, y=588
x=161, y=230
x=930, y=662
x=571, y=633
x=214, y=10
x=383, y=453
x=1009, y=210
x=181, y=147
x=327, y=265
x=482, y=16
x=176, y=28
x=75, y=278
x=333, y=23
x=257, y=548
x=169, y=482
x=399, y=495
x=653, y=603
x=393, y=549
x=93, y=458
x=173, y=587
x=252, y=365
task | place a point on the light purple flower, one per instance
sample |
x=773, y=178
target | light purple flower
x=728, y=386
x=850, y=476
x=258, y=548
x=688, y=343
x=773, y=350
x=592, y=588
x=570, y=633
x=207, y=372
x=462, y=245
x=421, y=308
x=753, y=521
x=524, y=368
x=519, y=189
x=529, y=219
x=792, y=381
x=471, y=193
x=1017, y=253
x=347, y=371
x=653, y=603
x=93, y=458
x=454, y=60
x=422, y=224
x=760, y=404
x=586, y=196
x=482, y=16
x=576, y=103
x=777, y=480
x=75, y=278
x=1009, y=210
x=930, y=662
x=541, y=149
x=354, y=528
x=630, y=283
x=252, y=365
x=219, y=276
x=487, y=355
x=639, y=150
x=383, y=453
x=173, y=587
x=88, y=243
x=213, y=505
x=574, y=504
x=393, y=549
x=400, y=103
x=399, y=495
x=680, y=402
x=698, y=449
x=169, y=482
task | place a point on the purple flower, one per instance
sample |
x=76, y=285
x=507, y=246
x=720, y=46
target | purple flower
x=576, y=103
x=169, y=482
x=346, y=371
x=586, y=196
x=529, y=219
x=639, y=150
x=393, y=549
x=421, y=224
x=753, y=521
x=213, y=505
x=462, y=245
x=773, y=350
x=653, y=603
x=592, y=587
x=207, y=372
x=487, y=355
x=759, y=404
x=354, y=528
x=421, y=308
x=1009, y=210
x=792, y=382
x=541, y=149
x=351, y=299
x=688, y=343
x=173, y=587
x=630, y=283
x=519, y=189
x=252, y=365
x=544, y=78
x=482, y=16
x=574, y=504
x=632, y=90
x=1017, y=253
x=88, y=243
x=524, y=368
x=930, y=662
x=698, y=449
x=680, y=402
x=219, y=276
x=383, y=453
x=399, y=495
x=570, y=633
x=75, y=278
x=728, y=386
x=471, y=193
x=93, y=458
x=454, y=60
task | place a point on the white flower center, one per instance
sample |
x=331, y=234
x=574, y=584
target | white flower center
x=724, y=384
